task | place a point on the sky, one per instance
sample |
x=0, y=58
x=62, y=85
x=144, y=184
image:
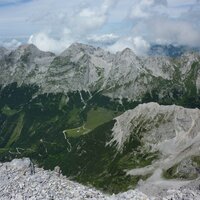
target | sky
x=53, y=25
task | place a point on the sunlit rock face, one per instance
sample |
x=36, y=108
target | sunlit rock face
x=83, y=67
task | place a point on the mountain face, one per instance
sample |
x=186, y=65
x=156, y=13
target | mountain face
x=82, y=67
x=21, y=65
x=89, y=112
x=173, y=132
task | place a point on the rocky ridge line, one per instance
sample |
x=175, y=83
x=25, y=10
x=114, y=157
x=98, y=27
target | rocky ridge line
x=21, y=180
x=83, y=67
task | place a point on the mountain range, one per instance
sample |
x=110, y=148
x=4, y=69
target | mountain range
x=108, y=120
x=85, y=68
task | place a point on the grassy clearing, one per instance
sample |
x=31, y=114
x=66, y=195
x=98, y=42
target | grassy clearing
x=17, y=131
x=95, y=118
x=6, y=110
x=98, y=116
x=76, y=132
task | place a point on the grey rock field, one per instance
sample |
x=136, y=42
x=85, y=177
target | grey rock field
x=21, y=180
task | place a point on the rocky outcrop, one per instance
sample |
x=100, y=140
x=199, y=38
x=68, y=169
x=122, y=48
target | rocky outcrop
x=17, y=182
x=160, y=126
x=173, y=131
x=170, y=132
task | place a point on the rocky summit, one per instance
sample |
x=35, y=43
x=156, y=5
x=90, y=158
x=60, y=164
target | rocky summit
x=20, y=179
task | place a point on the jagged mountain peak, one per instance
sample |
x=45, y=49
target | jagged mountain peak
x=78, y=48
x=128, y=55
x=27, y=47
x=31, y=48
x=28, y=53
x=127, y=52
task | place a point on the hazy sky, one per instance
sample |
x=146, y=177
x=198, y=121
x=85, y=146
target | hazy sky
x=115, y=24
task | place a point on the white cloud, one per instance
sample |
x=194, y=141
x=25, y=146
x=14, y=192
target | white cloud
x=137, y=44
x=105, y=39
x=121, y=44
x=11, y=44
x=178, y=32
x=100, y=22
x=89, y=18
x=81, y=22
x=147, y=8
x=166, y=22
x=47, y=43
x=140, y=45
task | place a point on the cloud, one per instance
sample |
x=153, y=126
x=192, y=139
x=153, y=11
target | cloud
x=121, y=44
x=166, y=22
x=104, y=39
x=140, y=45
x=80, y=23
x=175, y=32
x=88, y=18
x=11, y=44
x=147, y=8
x=137, y=44
x=45, y=42
x=55, y=24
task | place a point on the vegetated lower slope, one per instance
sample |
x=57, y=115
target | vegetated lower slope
x=61, y=130
x=61, y=110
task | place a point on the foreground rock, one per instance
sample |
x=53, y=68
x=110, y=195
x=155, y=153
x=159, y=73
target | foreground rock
x=190, y=191
x=21, y=180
